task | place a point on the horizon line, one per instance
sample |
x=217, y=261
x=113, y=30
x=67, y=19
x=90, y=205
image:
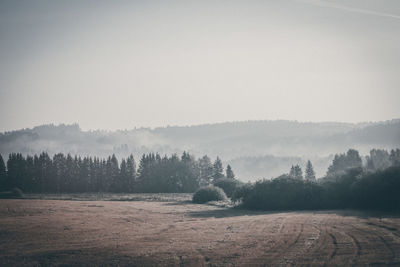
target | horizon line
x=198, y=125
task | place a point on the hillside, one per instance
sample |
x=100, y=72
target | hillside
x=254, y=148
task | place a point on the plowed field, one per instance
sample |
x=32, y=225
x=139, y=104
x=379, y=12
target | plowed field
x=143, y=233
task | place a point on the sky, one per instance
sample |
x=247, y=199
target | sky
x=125, y=64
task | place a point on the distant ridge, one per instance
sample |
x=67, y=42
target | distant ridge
x=230, y=140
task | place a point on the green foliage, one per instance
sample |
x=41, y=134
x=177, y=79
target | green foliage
x=310, y=173
x=338, y=188
x=395, y=157
x=218, y=170
x=343, y=162
x=354, y=188
x=205, y=169
x=296, y=172
x=229, y=172
x=3, y=174
x=283, y=194
x=378, y=159
x=241, y=191
x=209, y=193
x=67, y=174
x=378, y=191
x=229, y=185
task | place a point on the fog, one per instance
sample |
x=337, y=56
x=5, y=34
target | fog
x=125, y=64
x=254, y=149
x=199, y=133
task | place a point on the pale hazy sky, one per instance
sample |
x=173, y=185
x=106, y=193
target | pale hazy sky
x=121, y=64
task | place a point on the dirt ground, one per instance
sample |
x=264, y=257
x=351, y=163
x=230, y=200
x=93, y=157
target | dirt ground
x=142, y=233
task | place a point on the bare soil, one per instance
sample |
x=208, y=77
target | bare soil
x=146, y=233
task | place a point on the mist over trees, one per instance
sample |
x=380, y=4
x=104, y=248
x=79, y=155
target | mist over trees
x=342, y=162
x=296, y=172
x=349, y=183
x=255, y=149
x=75, y=174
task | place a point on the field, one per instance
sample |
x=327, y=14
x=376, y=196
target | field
x=153, y=230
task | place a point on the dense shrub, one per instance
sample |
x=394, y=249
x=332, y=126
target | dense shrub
x=339, y=193
x=354, y=188
x=228, y=185
x=209, y=193
x=241, y=191
x=378, y=191
x=283, y=194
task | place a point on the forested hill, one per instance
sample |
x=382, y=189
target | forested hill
x=232, y=141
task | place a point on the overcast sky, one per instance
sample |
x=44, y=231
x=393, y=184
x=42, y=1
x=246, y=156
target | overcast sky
x=121, y=64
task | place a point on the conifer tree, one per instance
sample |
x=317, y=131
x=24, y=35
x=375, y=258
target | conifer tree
x=131, y=172
x=3, y=174
x=218, y=170
x=342, y=162
x=310, y=173
x=205, y=170
x=296, y=172
x=229, y=172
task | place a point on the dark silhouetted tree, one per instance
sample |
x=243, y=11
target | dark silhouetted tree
x=218, y=170
x=3, y=174
x=131, y=172
x=205, y=171
x=16, y=171
x=309, y=173
x=42, y=174
x=343, y=162
x=378, y=159
x=229, y=172
x=296, y=172
x=60, y=171
x=395, y=157
x=113, y=173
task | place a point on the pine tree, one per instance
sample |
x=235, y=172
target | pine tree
x=16, y=171
x=114, y=173
x=343, y=162
x=229, y=172
x=30, y=175
x=218, y=170
x=123, y=184
x=378, y=159
x=3, y=174
x=59, y=166
x=310, y=173
x=131, y=172
x=395, y=157
x=296, y=172
x=70, y=174
x=205, y=170
x=45, y=175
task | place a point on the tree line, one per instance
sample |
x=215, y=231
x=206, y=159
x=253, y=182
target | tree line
x=378, y=159
x=75, y=174
x=349, y=183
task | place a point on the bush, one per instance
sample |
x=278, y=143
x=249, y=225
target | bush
x=241, y=192
x=283, y=194
x=228, y=185
x=378, y=191
x=209, y=193
x=354, y=188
